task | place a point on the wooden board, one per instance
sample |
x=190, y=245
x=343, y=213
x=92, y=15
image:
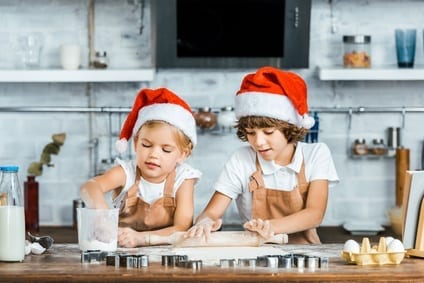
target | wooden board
x=413, y=195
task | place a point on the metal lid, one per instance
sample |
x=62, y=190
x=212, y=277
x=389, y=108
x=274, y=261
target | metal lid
x=357, y=39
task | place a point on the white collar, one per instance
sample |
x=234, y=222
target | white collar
x=270, y=167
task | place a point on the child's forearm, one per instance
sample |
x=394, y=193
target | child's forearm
x=300, y=221
x=92, y=195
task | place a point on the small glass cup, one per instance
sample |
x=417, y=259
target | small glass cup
x=31, y=46
x=405, y=47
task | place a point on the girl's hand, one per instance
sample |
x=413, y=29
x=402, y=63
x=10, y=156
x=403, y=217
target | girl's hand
x=260, y=226
x=203, y=228
x=129, y=238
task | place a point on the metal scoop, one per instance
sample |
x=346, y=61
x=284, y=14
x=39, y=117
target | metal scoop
x=45, y=241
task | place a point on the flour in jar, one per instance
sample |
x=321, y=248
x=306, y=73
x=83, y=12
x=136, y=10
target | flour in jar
x=93, y=245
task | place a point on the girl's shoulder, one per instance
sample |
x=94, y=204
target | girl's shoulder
x=186, y=171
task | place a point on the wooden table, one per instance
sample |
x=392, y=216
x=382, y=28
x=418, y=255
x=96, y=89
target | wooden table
x=62, y=263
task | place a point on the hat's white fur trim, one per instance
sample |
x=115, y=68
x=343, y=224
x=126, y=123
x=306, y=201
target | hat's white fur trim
x=174, y=114
x=121, y=145
x=269, y=105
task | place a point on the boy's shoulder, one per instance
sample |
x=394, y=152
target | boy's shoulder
x=244, y=152
x=318, y=148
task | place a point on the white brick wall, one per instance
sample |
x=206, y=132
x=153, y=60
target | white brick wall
x=367, y=188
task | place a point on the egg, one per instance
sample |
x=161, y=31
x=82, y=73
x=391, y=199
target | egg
x=351, y=246
x=395, y=246
x=37, y=249
x=389, y=240
x=27, y=247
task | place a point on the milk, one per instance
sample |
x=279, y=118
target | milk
x=12, y=233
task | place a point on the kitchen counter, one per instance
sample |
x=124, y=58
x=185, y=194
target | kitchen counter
x=62, y=263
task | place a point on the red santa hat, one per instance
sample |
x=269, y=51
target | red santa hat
x=274, y=93
x=157, y=104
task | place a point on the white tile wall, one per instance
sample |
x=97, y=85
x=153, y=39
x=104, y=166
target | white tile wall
x=367, y=189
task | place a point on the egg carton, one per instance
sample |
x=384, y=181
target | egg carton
x=376, y=255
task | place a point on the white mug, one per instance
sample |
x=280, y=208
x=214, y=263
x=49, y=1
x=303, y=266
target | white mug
x=70, y=56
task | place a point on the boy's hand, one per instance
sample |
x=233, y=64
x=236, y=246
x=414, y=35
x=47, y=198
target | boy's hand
x=260, y=226
x=203, y=228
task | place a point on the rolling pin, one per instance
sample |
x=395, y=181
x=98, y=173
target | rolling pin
x=220, y=239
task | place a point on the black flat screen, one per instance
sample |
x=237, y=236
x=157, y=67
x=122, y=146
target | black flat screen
x=230, y=28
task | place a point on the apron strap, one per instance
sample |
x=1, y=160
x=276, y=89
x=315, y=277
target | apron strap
x=256, y=181
x=168, y=194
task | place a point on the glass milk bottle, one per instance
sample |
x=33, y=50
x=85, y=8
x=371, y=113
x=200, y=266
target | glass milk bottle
x=12, y=217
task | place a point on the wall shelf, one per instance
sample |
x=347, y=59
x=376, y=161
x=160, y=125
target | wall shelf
x=389, y=73
x=82, y=75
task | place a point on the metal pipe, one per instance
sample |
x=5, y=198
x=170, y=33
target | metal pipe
x=71, y=109
x=342, y=110
x=91, y=34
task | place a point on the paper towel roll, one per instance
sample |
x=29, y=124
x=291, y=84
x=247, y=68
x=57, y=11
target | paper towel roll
x=402, y=164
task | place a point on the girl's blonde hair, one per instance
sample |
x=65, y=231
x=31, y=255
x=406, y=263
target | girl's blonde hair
x=292, y=133
x=182, y=140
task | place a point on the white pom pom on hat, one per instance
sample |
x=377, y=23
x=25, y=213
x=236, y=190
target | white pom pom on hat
x=157, y=104
x=274, y=93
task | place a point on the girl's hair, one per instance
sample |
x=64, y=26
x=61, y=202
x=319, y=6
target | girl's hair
x=292, y=133
x=182, y=140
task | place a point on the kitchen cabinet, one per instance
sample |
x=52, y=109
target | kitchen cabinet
x=82, y=75
x=62, y=263
x=389, y=73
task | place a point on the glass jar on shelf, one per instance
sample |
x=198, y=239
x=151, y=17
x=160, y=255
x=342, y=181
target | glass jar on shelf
x=357, y=51
x=205, y=118
x=378, y=147
x=101, y=61
x=359, y=147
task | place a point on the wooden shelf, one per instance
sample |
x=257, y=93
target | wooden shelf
x=389, y=73
x=83, y=75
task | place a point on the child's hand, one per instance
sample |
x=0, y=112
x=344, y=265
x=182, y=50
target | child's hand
x=103, y=230
x=129, y=238
x=203, y=228
x=260, y=226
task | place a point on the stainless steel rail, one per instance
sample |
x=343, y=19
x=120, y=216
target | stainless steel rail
x=48, y=109
x=341, y=110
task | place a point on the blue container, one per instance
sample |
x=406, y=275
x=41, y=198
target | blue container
x=405, y=47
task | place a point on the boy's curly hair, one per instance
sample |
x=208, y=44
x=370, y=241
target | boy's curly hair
x=292, y=133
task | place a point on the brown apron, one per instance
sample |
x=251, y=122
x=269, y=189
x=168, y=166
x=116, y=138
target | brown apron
x=142, y=216
x=271, y=204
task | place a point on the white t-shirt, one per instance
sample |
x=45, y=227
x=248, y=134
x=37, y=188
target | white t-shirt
x=234, y=179
x=150, y=192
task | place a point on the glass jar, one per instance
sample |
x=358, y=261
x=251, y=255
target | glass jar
x=378, y=147
x=359, y=147
x=101, y=61
x=357, y=51
x=205, y=118
x=227, y=117
x=12, y=216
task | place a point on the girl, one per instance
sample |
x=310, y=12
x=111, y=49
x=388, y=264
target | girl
x=280, y=184
x=154, y=192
